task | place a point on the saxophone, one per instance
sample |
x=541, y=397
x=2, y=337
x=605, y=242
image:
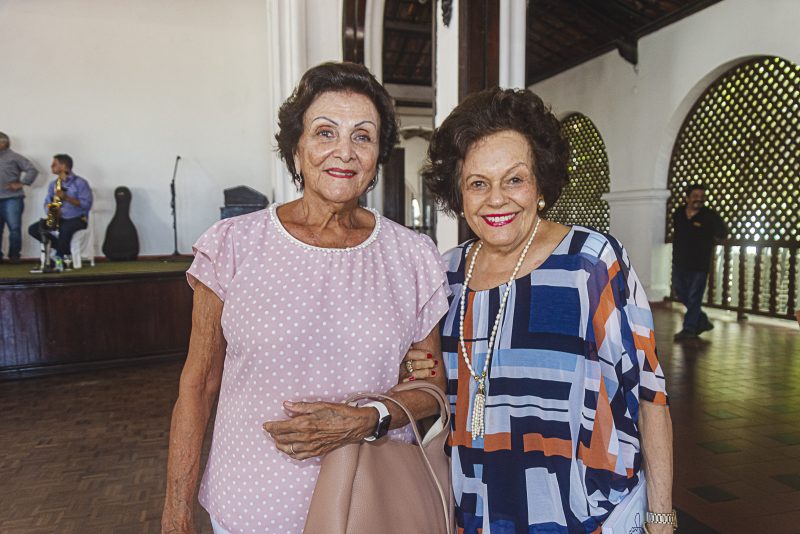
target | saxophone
x=54, y=207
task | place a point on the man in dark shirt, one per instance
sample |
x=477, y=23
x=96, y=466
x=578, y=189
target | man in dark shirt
x=696, y=230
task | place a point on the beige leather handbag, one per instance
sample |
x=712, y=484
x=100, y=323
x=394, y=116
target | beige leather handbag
x=387, y=487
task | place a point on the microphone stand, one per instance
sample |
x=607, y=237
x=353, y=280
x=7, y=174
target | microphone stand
x=172, y=205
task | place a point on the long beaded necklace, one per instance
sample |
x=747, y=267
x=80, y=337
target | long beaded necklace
x=478, y=411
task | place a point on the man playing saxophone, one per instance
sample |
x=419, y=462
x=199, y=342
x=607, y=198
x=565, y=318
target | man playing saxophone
x=69, y=199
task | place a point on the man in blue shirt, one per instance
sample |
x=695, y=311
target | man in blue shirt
x=76, y=201
x=15, y=172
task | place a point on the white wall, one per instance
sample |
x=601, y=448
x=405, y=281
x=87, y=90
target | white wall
x=639, y=113
x=124, y=87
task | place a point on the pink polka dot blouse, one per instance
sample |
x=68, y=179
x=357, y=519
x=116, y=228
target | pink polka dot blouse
x=304, y=324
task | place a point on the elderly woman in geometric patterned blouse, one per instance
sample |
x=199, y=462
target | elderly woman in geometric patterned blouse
x=297, y=307
x=558, y=398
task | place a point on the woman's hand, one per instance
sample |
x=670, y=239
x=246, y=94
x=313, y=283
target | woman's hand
x=418, y=364
x=177, y=520
x=316, y=428
x=659, y=529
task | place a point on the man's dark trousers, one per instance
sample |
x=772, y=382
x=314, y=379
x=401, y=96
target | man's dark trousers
x=66, y=229
x=11, y=215
x=690, y=286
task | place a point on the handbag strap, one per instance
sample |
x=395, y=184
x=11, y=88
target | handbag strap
x=444, y=408
x=438, y=394
x=430, y=389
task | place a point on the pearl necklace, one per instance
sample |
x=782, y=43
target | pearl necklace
x=478, y=412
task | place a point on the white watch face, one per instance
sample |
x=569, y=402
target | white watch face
x=384, y=418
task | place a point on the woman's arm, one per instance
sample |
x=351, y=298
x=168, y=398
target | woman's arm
x=421, y=404
x=316, y=428
x=655, y=425
x=199, y=386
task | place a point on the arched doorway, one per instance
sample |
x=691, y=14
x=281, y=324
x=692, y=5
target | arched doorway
x=407, y=72
x=394, y=38
x=741, y=141
x=581, y=201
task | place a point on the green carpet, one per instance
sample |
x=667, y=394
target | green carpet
x=101, y=268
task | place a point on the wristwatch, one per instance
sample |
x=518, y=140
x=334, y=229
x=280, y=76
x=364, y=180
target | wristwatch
x=384, y=418
x=670, y=518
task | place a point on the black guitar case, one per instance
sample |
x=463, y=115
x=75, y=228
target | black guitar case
x=122, y=241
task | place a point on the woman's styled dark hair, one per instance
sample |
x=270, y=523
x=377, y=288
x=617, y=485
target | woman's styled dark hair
x=333, y=78
x=486, y=113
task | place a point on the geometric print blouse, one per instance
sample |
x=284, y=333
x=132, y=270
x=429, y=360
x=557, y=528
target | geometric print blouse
x=575, y=354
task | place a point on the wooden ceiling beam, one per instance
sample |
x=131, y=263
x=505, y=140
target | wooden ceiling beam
x=617, y=24
x=622, y=10
x=549, y=52
x=419, y=28
x=674, y=16
x=593, y=10
x=547, y=49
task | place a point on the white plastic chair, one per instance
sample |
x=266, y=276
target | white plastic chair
x=83, y=247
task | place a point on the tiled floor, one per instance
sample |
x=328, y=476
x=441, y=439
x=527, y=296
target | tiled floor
x=86, y=453
x=735, y=398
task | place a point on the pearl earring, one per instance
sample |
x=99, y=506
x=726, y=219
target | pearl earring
x=462, y=214
x=541, y=204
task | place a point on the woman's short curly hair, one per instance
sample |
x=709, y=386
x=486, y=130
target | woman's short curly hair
x=483, y=114
x=326, y=78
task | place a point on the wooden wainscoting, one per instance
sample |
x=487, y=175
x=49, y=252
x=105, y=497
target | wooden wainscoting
x=57, y=325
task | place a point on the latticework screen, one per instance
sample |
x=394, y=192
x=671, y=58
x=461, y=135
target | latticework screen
x=741, y=141
x=581, y=202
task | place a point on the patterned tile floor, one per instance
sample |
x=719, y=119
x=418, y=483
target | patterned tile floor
x=735, y=397
x=86, y=452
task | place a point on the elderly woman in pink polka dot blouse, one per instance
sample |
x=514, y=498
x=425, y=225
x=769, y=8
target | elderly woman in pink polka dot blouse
x=295, y=308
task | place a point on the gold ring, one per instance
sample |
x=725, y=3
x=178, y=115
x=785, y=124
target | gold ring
x=291, y=449
x=409, y=366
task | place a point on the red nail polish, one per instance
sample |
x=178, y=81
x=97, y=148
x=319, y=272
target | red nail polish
x=411, y=378
x=430, y=356
x=433, y=373
x=436, y=363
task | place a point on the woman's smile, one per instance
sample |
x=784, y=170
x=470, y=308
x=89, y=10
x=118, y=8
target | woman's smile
x=499, y=219
x=499, y=189
x=341, y=173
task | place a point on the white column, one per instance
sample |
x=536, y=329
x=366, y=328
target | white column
x=513, y=18
x=446, y=95
x=302, y=33
x=287, y=59
x=373, y=60
x=504, y=61
x=638, y=221
x=373, y=37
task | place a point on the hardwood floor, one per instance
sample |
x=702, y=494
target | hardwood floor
x=87, y=452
